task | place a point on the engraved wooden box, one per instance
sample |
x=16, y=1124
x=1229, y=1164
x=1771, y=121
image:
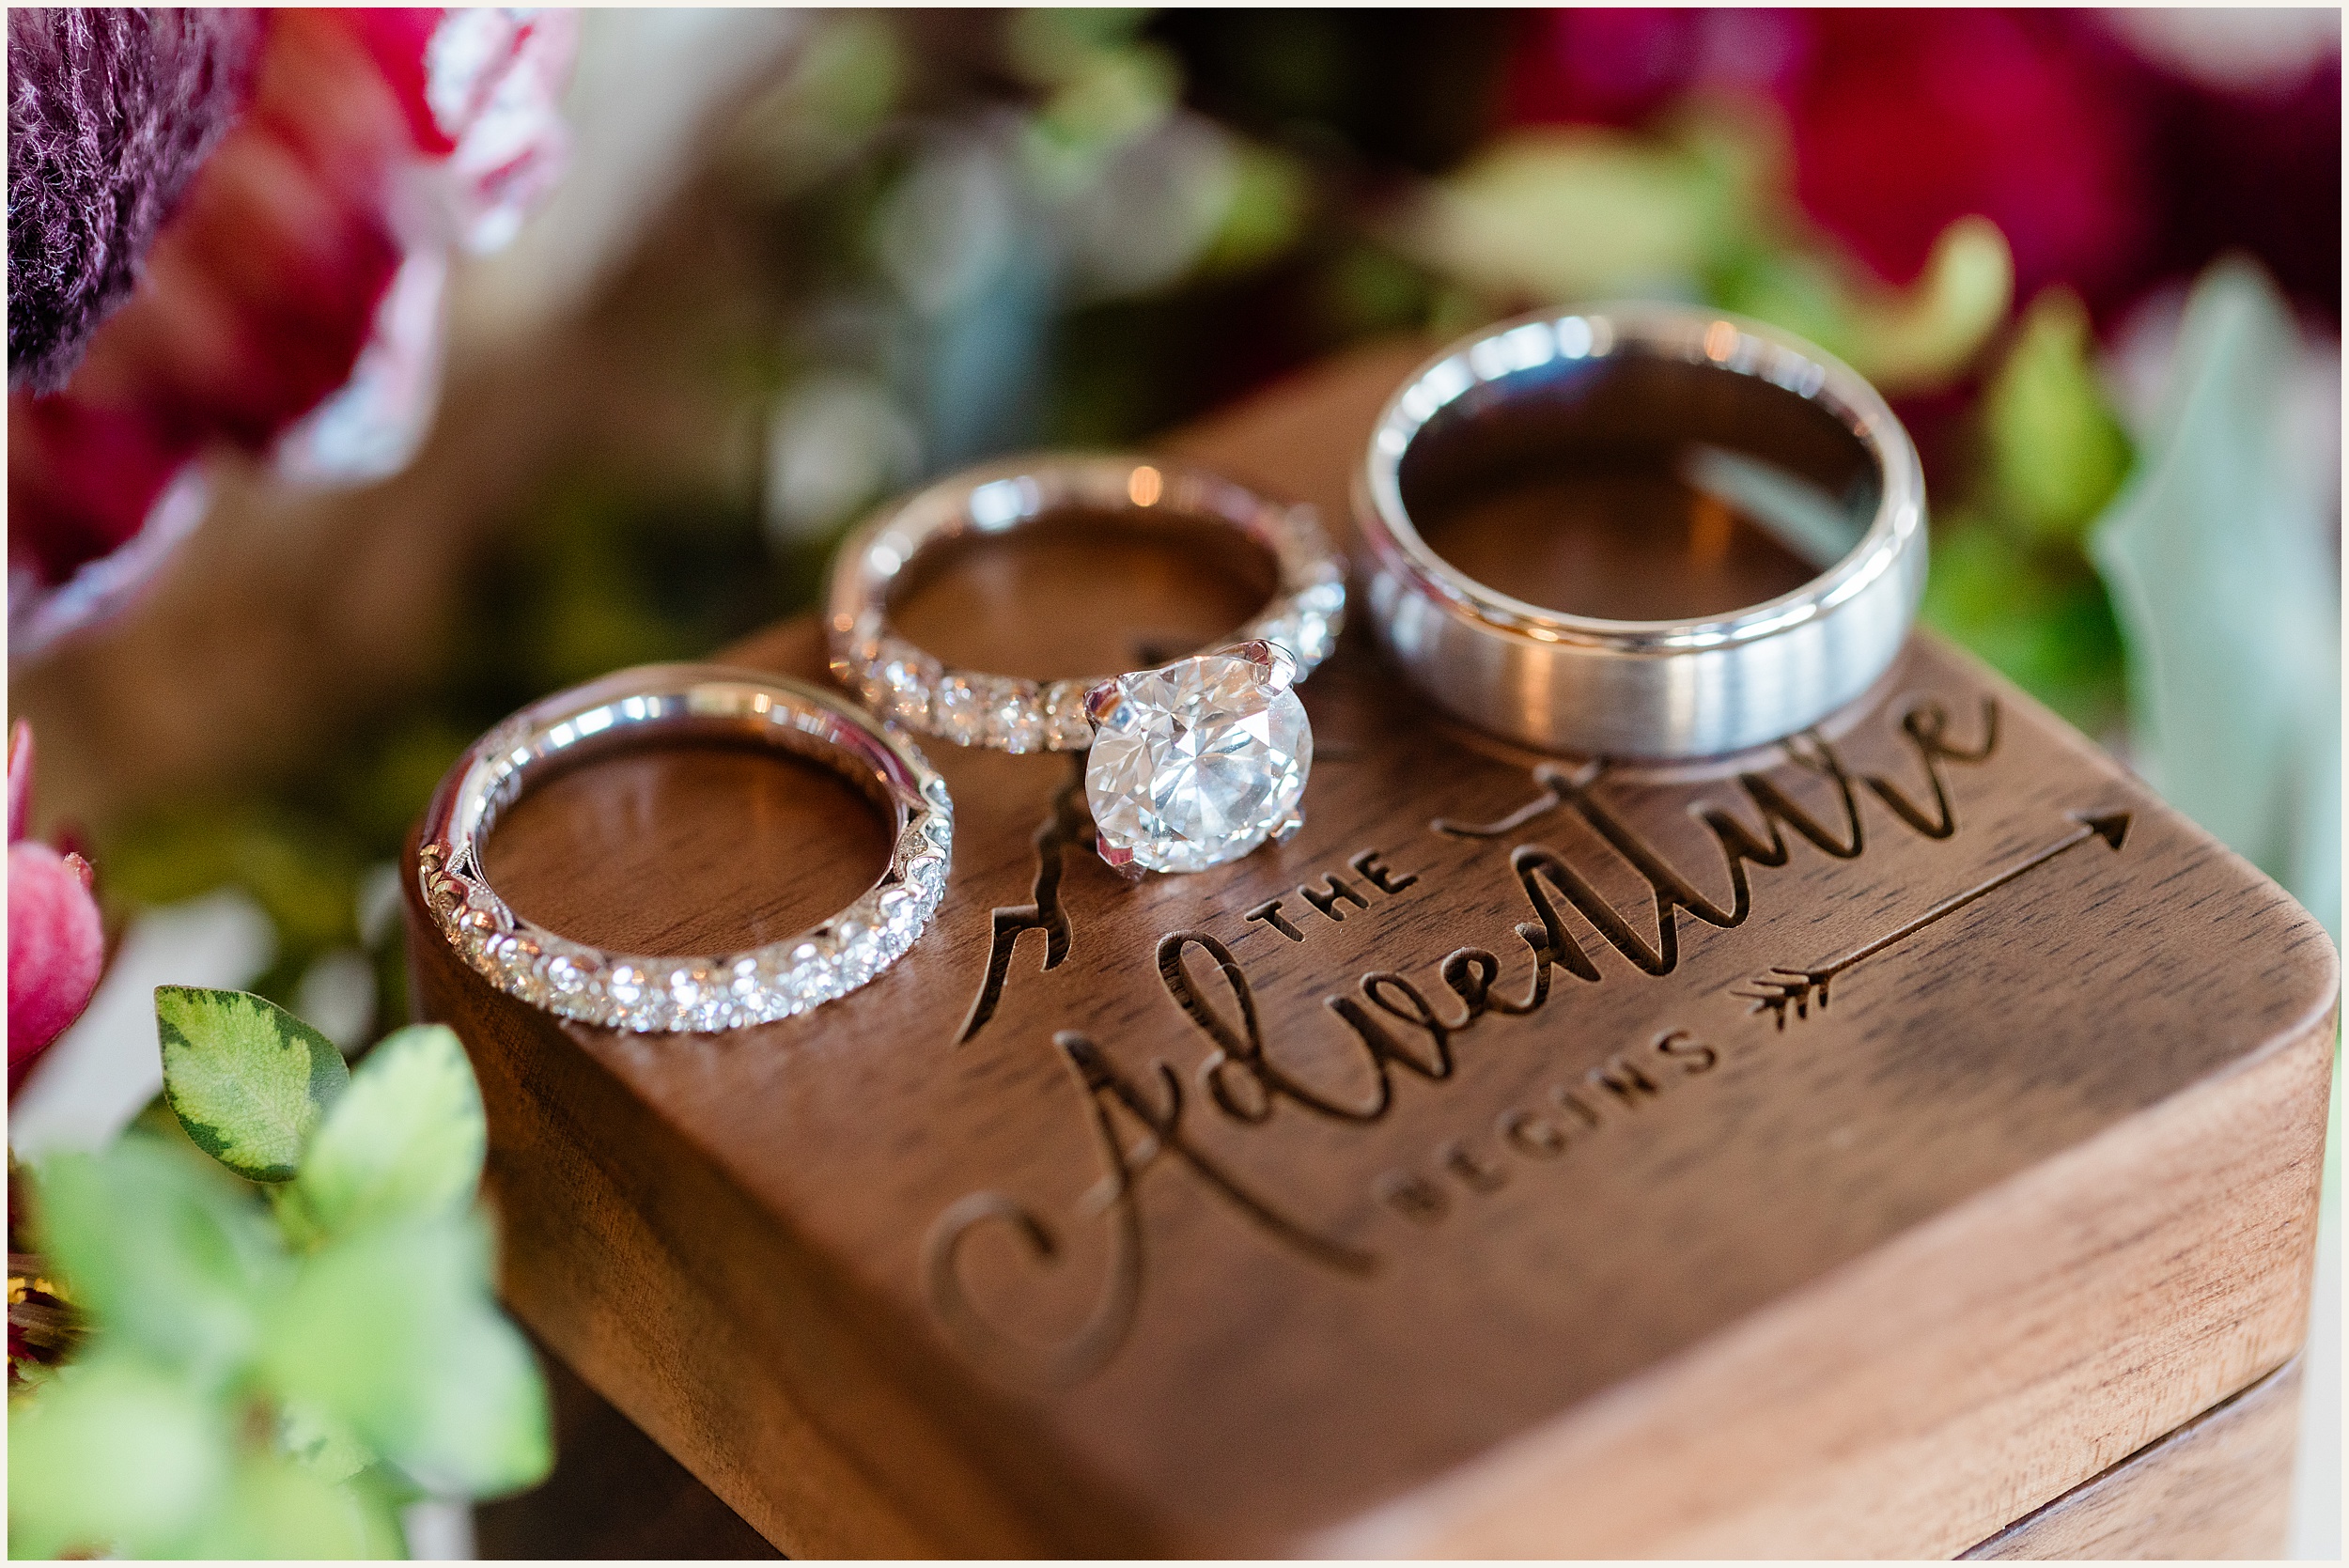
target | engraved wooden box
x=1844, y=1149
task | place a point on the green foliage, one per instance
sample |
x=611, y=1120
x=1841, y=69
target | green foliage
x=406, y=1141
x=247, y=1078
x=2039, y=620
x=300, y=864
x=2009, y=579
x=165, y=1251
x=2220, y=559
x=113, y=1454
x=2057, y=455
x=1557, y=213
x=447, y=1389
x=275, y=1507
x=1270, y=196
x=259, y=1389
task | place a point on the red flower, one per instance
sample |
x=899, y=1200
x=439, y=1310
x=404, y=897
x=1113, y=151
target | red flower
x=57, y=946
x=1906, y=121
x=1902, y=121
x=290, y=306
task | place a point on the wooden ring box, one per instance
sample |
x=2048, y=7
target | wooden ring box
x=1519, y=1161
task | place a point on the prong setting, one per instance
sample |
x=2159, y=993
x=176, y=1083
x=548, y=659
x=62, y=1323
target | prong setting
x=1120, y=860
x=1206, y=760
x=1277, y=665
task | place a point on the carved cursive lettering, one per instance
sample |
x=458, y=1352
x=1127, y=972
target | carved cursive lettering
x=1107, y=1091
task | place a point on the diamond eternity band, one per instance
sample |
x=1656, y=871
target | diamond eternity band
x=666, y=994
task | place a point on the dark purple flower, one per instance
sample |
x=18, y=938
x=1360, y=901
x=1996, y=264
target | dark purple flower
x=110, y=113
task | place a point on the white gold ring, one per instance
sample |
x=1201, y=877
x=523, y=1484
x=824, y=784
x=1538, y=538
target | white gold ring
x=1193, y=763
x=1753, y=423
x=649, y=994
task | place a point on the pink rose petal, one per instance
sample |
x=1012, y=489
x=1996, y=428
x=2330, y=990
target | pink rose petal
x=56, y=947
x=19, y=778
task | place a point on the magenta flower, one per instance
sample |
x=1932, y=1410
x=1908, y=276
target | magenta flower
x=56, y=945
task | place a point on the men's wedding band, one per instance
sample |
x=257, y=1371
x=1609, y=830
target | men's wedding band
x=647, y=994
x=1702, y=382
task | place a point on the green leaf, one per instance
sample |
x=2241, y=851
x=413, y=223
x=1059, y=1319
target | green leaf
x=273, y=1508
x=2220, y=556
x=391, y=1330
x=1271, y=192
x=247, y=1078
x=1918, y=338
x=167, y=1253
x=112, y=1456
x=2040, y=620
x=2058, y=455
x=1560, y=213
x=321, y=1444
x=404, y=1142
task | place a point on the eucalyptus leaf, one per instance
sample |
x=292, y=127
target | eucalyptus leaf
x=404, y=1142
x=168, y=1254
x=248, y=1080
x=275, y=1508
x=391, y=1330
x=113, y=1455
x=2222, y=577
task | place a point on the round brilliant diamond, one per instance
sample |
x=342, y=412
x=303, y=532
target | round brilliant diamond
x=1198, y=763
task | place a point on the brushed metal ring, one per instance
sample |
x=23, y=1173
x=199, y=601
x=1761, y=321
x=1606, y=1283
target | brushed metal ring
x=649, y=994
x=1638, y=688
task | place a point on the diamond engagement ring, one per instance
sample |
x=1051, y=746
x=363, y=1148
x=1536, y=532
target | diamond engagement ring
x=645, y=994
x=1193, y=763
x=1742, y=443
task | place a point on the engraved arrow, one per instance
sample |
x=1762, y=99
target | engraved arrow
x=1782, y=989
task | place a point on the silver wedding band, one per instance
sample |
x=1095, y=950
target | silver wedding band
x=899, y=680
x=1641, y=689
x=649, y=994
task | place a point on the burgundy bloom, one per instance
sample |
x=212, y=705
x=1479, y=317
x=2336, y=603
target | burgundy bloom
x=1902, y=121
x=290, y=306
x=2108, y=167
x=1906, y=121
x=110, y=113
x=56, y=945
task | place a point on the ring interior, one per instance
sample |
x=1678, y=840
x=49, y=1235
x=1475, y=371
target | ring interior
x=1637, y=489
x=1082, y=591
x=734, y=879
x=675, y=727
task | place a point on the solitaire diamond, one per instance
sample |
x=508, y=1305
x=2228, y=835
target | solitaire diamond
x=1198, y=763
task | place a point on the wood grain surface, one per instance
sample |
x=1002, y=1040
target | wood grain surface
x=613, y=1493
x=1512, y=1223
x=2220, y=1486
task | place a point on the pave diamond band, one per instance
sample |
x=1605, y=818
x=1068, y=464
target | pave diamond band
x=899, y=680
x=647, y=994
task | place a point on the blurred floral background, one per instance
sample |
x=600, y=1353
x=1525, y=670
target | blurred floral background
x=678, y=294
